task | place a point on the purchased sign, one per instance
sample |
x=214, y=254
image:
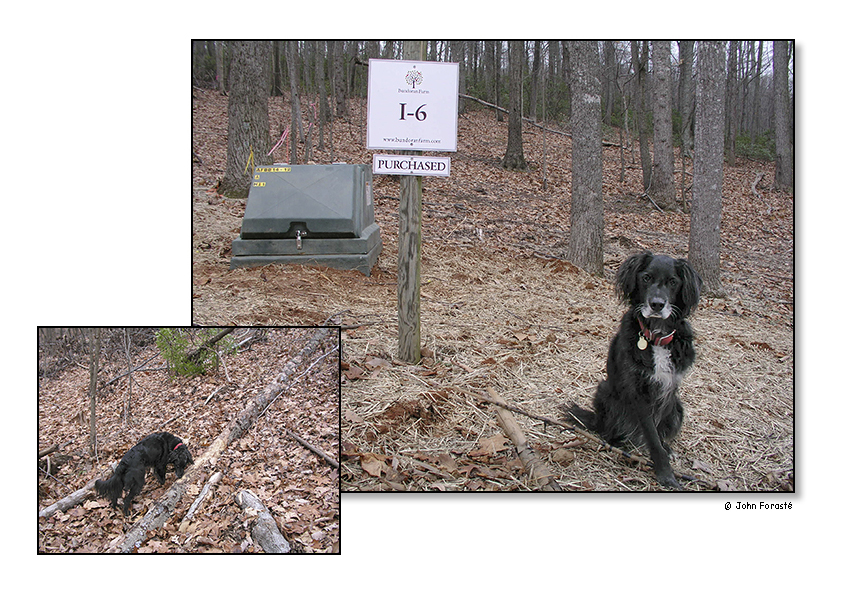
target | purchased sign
x=412, y=105
x=412, y=165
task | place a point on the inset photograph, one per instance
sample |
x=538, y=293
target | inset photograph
x=188, y=440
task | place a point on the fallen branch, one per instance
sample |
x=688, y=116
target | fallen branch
x=528, y=119
x=263, y=529
x=215, y=479
x=194, y=355
x=536, y=467
x=318, y=451
x=133, y=370
x=603, y=445
x=74, y=499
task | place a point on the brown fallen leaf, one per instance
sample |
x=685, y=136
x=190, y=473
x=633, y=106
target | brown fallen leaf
x=488, y=446
x=374, y=464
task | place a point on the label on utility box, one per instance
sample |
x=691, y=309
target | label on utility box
x=413, y=165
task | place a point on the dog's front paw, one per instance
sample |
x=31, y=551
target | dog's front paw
x=668, y=479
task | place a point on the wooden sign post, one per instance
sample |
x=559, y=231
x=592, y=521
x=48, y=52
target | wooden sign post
x=412, y=106
x=409, y=246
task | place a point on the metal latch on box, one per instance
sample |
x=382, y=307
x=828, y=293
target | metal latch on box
x=300, y=235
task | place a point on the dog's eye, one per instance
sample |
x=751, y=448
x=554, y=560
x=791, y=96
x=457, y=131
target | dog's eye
x=673, y=282
x=647, y=278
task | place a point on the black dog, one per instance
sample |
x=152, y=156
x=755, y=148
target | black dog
x=154, y=451
x=648, y=356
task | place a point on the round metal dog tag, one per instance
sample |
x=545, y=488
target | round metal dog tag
x=642, y=343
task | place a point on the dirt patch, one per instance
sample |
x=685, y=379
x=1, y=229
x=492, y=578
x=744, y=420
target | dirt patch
x=501, y=308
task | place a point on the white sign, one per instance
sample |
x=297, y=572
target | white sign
x=412, y=105
x=413, y=165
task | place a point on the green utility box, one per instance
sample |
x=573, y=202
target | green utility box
x=316, y=214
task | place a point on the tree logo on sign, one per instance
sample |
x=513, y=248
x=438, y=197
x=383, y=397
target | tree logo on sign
x=414, y=78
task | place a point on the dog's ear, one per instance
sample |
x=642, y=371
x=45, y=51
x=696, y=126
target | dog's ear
x=691, y=286
x=626, y=284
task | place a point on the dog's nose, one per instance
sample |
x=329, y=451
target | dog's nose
x=656, y=305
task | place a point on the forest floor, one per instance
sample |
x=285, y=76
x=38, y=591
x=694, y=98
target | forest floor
x=300, y=489
x=502, y=308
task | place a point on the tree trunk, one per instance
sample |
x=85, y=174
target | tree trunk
x=663, y=186
x=784, y=143
x=709, y=142
x=219, y=67
x=514, y=159
x=685, y=108
x=248, y=132
x=639, y=67
x=338, y=85
x=93, y=370
x=609, y=81
x=586, y=212
x=731, y=104
x=323, y=106
x=296, y=112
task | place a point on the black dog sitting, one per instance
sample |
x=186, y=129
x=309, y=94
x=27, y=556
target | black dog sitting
x=154, y=451
x=638, y=401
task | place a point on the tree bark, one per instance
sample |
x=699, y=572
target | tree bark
x=686, y=109
x=296, y=112
x=709, y=142
x=784, y=143
x=663, y=186
x=731, y=104
x=94, y=369
x=639, y=67
x=248, y=138
x=263, y=528
x=587, y=221
x=514, y=159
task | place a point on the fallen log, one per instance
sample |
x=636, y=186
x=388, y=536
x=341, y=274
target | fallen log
x=74, y=499
x=215, y=479
x=263, y=527
x=194, y=355
x=318, y=451
x=535, y=466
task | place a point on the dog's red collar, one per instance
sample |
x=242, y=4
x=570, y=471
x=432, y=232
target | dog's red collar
x=177, y=445
x=649, y=337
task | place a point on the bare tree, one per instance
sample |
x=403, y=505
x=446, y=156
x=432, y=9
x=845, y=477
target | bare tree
x=339, y=88
x=248, y=135
x=709, y=142
x=732, y=93
x=784, y=143
x=663, y=187
x=93, y=370
x=639, y=63
x=587, y=222
x=685, y=109
x=514, y=159
x=296, y=112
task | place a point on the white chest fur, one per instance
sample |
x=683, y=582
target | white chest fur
x=664, y=372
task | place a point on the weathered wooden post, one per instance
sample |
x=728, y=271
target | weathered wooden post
x=412, y=106
x=409, y=246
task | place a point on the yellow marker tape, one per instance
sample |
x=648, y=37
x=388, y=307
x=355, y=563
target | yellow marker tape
x=250, y=160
